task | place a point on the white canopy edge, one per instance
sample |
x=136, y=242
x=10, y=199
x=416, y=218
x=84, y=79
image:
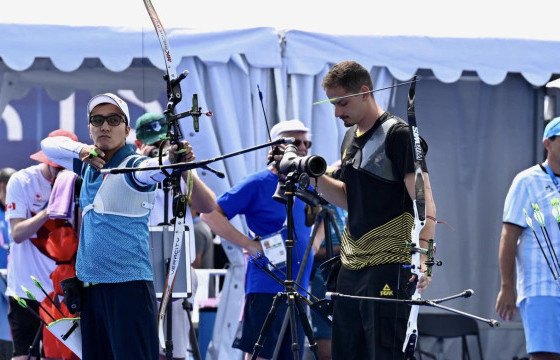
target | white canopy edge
x=67, y=46
x=304, y=52
x=491, y=59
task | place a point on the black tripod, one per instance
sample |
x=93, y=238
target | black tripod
x=293, y=298
x=323, y=307
x=326, y=215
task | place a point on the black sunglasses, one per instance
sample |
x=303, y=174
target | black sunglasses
x=306, y=143
x=112, y=120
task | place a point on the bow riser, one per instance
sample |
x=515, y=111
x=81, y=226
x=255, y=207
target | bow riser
x=419, y=206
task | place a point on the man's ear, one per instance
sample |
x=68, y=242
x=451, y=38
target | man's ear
x=364, y=89
x=546, y=143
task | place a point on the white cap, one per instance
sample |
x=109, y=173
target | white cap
x=108, y=98
x=287, y=126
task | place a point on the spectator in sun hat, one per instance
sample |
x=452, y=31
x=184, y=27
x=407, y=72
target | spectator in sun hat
x=293, y=128
x=27, y=195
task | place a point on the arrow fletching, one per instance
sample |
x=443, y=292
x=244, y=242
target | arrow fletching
x=528, y=219
x=556, y=209
x=20, y=301
x=37, y=283
x=29, y=293
x=538, y=215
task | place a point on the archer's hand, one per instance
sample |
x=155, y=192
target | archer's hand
x=185, y=156
x=505, y=303
x=92, y=155
x=423, y=282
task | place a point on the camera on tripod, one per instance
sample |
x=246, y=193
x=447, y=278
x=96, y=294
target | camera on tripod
x=300, y=168
x=312, y=165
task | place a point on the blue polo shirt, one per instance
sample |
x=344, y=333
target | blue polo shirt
x=113, y=248
x=252, y=197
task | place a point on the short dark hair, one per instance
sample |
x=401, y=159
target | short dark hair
x=348, y=75
x=5, y=174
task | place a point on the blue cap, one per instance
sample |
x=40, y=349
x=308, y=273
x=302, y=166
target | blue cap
x=552, y=128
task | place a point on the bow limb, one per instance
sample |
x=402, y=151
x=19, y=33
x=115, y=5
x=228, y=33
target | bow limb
x=174, y=96
x=419, y=206
x=162, y=36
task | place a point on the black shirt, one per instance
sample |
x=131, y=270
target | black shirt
x=372, y=200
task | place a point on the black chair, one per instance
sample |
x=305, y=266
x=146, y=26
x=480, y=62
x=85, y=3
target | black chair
x=443, y=326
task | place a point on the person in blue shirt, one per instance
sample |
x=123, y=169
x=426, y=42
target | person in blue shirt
x=252, y=197
x=535, y=290
x=118, y=317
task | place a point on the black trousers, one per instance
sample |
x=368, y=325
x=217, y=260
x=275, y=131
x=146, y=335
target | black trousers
x=364, y=329
x=119, y=321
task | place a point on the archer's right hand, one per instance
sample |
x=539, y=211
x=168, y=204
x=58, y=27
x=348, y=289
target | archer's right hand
x=92, y=155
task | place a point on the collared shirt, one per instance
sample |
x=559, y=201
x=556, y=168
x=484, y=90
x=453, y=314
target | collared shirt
x=112, y=248
x=530, y=186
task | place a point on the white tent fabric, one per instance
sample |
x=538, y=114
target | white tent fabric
x=492, y=59
x=67, y=46
x=479, y=106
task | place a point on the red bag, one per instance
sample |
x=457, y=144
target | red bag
x=43, y=234
x=62, y=244
x=63, y=272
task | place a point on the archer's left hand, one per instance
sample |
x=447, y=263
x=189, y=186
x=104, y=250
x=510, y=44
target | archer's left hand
x=423, y=282
x=185, y=154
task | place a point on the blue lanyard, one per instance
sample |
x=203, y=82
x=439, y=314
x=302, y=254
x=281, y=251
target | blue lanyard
x=552, y=176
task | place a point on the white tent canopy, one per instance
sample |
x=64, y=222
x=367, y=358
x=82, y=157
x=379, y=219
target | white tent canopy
x=448, y=58
x=307, y=52
x=68, y=46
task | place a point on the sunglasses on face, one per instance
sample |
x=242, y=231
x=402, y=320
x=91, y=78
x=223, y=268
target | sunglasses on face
x=306, y=143
x=112, y=120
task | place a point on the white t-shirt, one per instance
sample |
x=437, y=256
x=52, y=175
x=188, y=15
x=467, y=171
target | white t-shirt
x=27, y=193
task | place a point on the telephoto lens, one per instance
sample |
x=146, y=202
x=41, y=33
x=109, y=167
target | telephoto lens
x=312, y=165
